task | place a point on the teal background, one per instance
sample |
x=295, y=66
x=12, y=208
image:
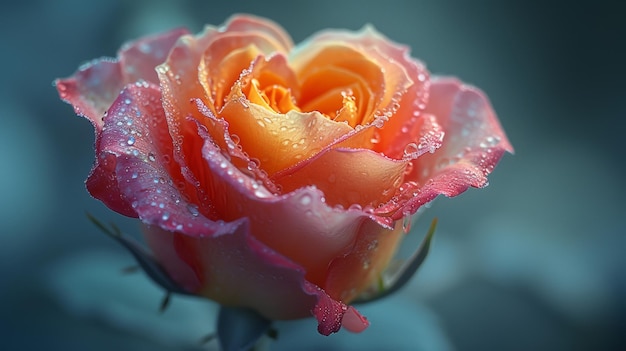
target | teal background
x=533, y=262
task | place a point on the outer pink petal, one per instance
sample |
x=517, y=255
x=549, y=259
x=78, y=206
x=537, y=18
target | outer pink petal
x=139, y=58
x=237, y=270
x=135, y=136
x=94, y=87
x=473, y=145
x=332, y=314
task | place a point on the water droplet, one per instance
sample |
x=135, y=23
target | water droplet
x=134, y=175
x=165, y=216
x=193, y=209
x=375, y=138
x=410, y=149
x=356, y=207
x=490, y=141
x=306, y=199
x=253, y=164
x=262, y=193
x=373, y=245
x=244, y=102
x=406, y=223
x=127, y=101
x=131, y=140
x=235, y=138
x=366, y=263
x=151, y=157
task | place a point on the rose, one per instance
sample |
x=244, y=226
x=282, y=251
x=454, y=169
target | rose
x=273, y=177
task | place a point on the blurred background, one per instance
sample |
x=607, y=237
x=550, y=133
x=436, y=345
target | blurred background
x=533, y=262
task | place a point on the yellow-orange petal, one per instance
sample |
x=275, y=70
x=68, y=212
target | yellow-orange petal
x=279, y=141
x=391, y=58
x=227, y=56
x=248, y=23
x=347, y=176
x=332, y=66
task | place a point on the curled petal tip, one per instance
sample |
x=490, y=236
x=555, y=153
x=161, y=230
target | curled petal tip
x=353, y=321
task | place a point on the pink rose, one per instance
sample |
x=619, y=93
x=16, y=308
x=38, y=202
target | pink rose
x=277, y=177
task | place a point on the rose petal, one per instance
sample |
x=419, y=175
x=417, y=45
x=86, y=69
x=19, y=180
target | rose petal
x=354, y=321
x=237, y=270
x=139, y=58
x=347, y=176
x=248, y=23
x=326, y=67
x=219, y=69
x=473, y=145
x=276, y=140
x=401, y=73
x=329, y=312
x=135, y=128
x=183, y=82
x=94, y=87
x=228, y=145
x=405, y=126
x=180, y=88
x=279, y=141
x=363, y=265
x=329, y=231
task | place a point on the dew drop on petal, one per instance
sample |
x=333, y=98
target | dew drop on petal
x=406, y=223
x=193, y=209
x=372, y=245
x=305, y=200
x=356, y=207
x=235, y=138
x=375, y=138
x=410, y=149
x=253, y=164
x=262, y=193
